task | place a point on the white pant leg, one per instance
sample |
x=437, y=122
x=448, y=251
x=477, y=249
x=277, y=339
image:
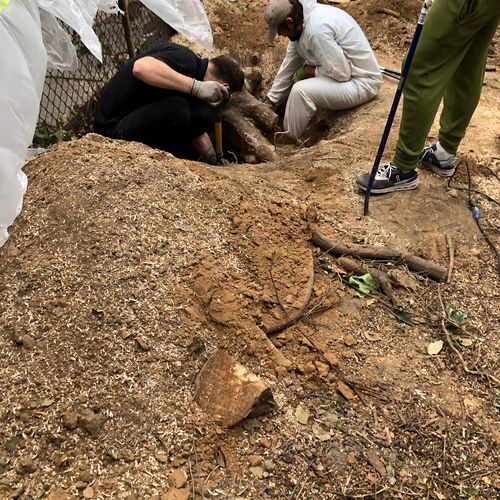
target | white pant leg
x=310, y=94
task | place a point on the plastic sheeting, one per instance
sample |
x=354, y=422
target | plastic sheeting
x=188, y=17
x=80, y=14
x=21, y=83
x=30, y=36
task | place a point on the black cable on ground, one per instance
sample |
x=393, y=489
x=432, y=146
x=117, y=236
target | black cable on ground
x=476, y=213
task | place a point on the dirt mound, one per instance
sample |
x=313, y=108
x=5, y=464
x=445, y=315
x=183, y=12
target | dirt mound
x=116, y=271
x=389, y=25
x=128, y=268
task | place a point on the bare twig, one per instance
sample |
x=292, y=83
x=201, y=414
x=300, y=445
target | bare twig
x=423, y=266
x=290, y=320
x=192, y=478
x=389, y=12
x=451, y=252
x=449, y=341
x=304, y=472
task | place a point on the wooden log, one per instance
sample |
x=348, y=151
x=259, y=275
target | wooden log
x=263, y=116
x=229, y=392
x=244, y=135
x=422, y=266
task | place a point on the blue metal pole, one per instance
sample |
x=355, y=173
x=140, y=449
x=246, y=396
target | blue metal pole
x=390, y=119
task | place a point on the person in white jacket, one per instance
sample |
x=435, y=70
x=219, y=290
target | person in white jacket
x=329, y=63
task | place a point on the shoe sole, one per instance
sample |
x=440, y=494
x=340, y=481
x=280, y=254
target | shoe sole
x=442, y=172
x=407, y=186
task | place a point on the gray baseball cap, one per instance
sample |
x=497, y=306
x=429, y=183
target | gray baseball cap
x=276, y=12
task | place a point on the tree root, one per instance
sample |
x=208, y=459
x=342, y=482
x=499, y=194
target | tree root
x=422, y=266
x=291, y=318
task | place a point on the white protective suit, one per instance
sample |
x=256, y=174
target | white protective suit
x=347, y=73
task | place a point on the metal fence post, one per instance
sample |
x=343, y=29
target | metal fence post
x=123, y=4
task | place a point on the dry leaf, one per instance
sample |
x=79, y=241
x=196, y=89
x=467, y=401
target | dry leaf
x=302, y=415
x=375, y=462
x=372, y=336
x=320, y=433
x=435, y=347
x=466, y=342
x=345, y=390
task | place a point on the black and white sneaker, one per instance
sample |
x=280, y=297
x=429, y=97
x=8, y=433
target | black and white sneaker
x=444, y=168
x=389, y=178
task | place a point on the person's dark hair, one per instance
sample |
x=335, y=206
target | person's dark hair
x=228, y=70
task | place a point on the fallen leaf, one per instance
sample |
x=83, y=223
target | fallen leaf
x=258, y=471
x=403, y=316
x=364, y=284
x=435, y=347
x=375, y=462
x=456, y=317
x=320, y=433
x=389, y=469
x=345, y=390
x=372, y=336
x=302, y=415
x=465, y=342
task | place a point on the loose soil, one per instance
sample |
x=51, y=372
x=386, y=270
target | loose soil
x=128, y=268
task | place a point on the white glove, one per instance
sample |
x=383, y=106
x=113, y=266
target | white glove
x=209, y=91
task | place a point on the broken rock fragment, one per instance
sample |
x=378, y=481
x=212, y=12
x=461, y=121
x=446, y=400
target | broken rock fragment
x=229, y=392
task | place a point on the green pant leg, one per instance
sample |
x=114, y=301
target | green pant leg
x=464, y=90
x=444, y=41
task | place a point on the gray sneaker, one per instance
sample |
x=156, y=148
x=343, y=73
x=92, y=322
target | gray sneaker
x=389, y=178
x=444, y=168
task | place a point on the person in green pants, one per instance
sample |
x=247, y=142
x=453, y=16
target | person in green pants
x=448, y=65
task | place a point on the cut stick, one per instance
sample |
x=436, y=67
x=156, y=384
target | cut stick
x=422, y=266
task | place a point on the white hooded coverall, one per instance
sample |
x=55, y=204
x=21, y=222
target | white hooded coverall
x=347, y=73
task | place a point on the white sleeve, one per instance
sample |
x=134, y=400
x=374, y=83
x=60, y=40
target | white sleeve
x=332, y=60
x=283, y=81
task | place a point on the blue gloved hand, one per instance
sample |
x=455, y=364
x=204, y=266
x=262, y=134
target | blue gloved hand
x=299, y=74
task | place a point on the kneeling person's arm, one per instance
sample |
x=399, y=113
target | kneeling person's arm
x=159, y=74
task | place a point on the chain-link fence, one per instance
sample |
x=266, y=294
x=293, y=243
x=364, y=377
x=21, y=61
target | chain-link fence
x=69, y=98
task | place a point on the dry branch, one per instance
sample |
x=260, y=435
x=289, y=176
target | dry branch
x=292, y=318
x=422, y=266
x=451, y=251
x=389, y=12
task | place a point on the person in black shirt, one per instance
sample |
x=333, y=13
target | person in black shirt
x=160, y=98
